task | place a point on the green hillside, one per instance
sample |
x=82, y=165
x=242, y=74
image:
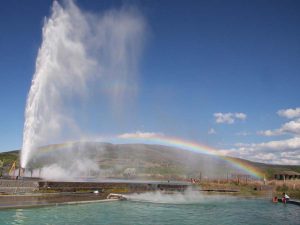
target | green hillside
x=7, y=159
x=148, y=160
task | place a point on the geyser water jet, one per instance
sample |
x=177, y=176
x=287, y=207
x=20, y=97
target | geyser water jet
x=79, y=50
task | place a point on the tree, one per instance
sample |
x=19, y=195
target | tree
x=1, y=167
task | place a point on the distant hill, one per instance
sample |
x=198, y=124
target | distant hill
x=143, y=159
x=7, y=158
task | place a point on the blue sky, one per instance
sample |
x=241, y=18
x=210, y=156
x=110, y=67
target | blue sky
x=200, y=58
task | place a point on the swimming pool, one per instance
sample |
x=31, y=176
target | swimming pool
x=225, y=210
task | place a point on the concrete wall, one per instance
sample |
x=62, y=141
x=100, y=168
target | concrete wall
x=108, y=187
x=27, y=186
x=18, y=186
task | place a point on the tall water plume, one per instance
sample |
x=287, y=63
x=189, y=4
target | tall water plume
x=80, y=52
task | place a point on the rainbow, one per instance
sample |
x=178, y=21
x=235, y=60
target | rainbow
x=152, y=138
x=158, y=139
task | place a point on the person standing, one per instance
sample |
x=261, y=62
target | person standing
x=285, y=198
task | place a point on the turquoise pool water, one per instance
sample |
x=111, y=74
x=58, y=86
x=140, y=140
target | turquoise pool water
x=216, y=211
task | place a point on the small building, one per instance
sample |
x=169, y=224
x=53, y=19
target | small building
x=287, y=175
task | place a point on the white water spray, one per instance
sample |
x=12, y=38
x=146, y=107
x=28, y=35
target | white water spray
x=79, y=50
x=189, y=196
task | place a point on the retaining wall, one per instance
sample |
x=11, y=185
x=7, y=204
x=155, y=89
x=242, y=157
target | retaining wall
x=109, y=187
x=18, y=186
x=27, y=186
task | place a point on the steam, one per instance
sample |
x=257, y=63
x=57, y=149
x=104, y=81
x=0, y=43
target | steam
x=82, y=55
x=79, y=168
x=189, y=196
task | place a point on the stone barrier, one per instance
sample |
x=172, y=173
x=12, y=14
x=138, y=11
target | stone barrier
x=18, y=186
x=109, y=186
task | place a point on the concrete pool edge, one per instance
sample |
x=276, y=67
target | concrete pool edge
x=56, y=204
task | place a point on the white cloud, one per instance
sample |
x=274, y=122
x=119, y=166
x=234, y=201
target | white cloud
x=289, y=113
x=287, y=144
x=294, y=155
x=269, y=133
x=277, y=152
x=243, y=133
x=291, y=127
x=212, y=131
x=228, y=152
x=229, y=118
x=140, y=134
x=224, y=118
x=265, y=157
x=285, y=151
x=241, y=116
